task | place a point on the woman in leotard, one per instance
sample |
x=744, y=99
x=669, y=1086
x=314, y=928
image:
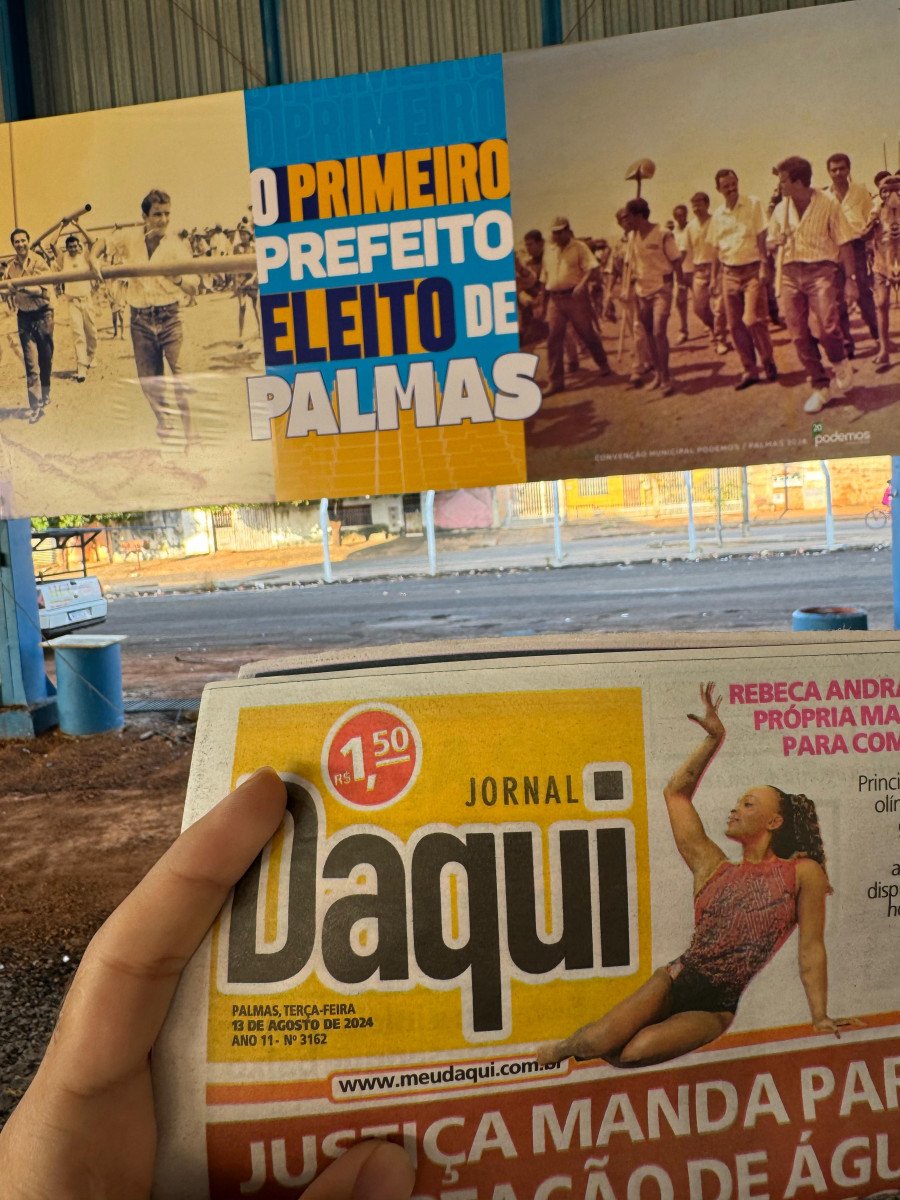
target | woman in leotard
x=743, y=913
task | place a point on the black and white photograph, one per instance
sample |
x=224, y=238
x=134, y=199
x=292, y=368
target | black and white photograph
x=121, y=372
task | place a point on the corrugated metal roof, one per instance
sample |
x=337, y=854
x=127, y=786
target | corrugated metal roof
x=585, y=20
x=370, y=35
x=90, y=54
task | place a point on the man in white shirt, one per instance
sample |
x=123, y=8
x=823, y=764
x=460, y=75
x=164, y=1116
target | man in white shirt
x=708, y=308
x=157, y=333
x=568, y=268
x=856, y=205
x=680, y=214
x=34, y=315
x=738, y=232
x=812, y=235
x=76, y=260
x=656, y=266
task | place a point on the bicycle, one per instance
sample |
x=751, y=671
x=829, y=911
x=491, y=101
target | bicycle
x=878, y=517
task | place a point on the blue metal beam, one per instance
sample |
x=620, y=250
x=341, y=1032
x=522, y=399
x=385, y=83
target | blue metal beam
x=551, y=22
x=15, y=62
x=25, y=707
x=270, y=18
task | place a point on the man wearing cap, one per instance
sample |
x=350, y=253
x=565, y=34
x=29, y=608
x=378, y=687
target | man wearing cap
x=568, y=268
x=34, y=313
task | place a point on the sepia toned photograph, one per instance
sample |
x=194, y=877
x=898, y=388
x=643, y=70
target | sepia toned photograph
x=127, y=326
x=708, y=242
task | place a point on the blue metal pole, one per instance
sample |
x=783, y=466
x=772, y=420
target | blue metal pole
x=15, y=62
x=551, y=22
x=24, y=704
x=270, y=19
x=895, y=537
x=25, y=707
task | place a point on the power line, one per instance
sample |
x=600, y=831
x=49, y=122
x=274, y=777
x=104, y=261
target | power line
x=581, y=17
x=236, y=57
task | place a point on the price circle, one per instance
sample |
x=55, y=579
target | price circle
x=371, y=756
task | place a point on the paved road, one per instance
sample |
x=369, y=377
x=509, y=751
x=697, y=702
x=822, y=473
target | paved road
x=738, y=593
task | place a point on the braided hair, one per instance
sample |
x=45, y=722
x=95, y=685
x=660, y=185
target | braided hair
x=799, y=835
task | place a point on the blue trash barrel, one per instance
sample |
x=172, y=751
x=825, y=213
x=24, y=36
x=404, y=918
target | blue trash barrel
x=89, y=683
x=817, y=619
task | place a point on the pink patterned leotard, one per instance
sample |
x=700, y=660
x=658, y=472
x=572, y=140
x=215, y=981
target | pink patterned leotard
x=743, y=914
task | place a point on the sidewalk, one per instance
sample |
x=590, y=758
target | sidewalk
x=529, y=548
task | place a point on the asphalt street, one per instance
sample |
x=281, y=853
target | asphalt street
x=725, y=594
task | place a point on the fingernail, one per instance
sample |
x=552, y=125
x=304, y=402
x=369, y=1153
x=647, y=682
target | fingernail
x=256, y=775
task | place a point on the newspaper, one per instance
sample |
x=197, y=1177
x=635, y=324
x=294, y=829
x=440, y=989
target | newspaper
x=488, y=850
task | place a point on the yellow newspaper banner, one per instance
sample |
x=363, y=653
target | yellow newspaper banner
x=463, y=888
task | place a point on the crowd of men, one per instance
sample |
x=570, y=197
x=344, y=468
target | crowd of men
x=153, y=301
x=800, y=263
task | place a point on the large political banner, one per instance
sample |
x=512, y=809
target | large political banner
x=663, y=251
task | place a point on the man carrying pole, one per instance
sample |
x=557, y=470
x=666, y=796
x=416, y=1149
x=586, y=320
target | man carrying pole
x=34, y=314
x=79, y=294
x=157, y=332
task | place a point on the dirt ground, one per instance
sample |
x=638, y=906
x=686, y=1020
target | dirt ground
x=83, y=818
x=82, y=821
x=206, y=570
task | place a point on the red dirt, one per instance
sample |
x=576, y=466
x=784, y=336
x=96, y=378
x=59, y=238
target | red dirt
x=83, y=819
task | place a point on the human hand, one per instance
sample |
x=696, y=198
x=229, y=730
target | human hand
x=710, y=721
x=836, y=1024
x=86, y=1127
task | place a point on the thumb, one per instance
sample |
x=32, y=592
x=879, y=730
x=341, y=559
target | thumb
x=370, y=1171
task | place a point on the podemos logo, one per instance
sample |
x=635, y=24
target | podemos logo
x=821, y=438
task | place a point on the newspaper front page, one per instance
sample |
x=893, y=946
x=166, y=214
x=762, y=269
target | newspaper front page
x=560, y=939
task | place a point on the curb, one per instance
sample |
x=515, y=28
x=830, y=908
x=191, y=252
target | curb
x=261, y=584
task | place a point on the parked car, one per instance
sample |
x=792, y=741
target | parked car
x=68, y=604
x=67, y=599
